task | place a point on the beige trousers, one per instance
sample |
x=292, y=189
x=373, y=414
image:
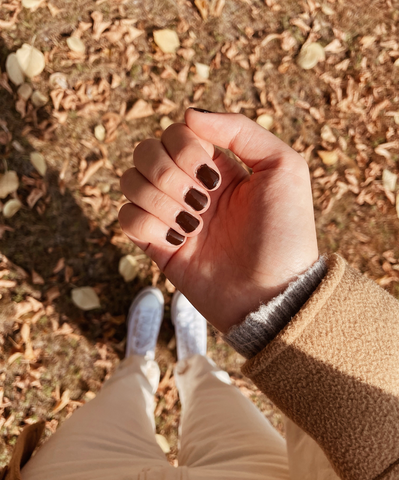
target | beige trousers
x=223, y=435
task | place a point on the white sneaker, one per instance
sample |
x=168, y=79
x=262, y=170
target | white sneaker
x=190, y=328
x=144, y=322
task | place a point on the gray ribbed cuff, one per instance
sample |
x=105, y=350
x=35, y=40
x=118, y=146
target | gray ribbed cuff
x=260, y=327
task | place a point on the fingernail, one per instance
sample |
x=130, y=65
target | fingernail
x=208, y=177
x=201, y=110
x=187, y=222
x=197, y=200
x=174, y=238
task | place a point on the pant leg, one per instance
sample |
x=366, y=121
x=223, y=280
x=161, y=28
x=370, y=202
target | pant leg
x=112, y=437
x=306, y=459
x=223, y=435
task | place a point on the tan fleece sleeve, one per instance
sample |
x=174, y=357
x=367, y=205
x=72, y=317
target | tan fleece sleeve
x=334, y=370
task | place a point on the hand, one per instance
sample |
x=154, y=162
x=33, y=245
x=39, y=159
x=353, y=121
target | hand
x=256, y=232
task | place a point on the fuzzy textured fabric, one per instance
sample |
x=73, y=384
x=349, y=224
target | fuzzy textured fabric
x=260, y=327
x=334, y=371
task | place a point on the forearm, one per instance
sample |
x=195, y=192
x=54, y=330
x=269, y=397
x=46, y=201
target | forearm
x=334, y=370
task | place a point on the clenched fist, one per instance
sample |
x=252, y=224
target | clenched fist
x=227, y=239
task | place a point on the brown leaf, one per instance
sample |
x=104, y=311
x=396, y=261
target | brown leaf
x=3, y=229
x=37, y=279
x=91, y=170
x=65, y=329
x=10, y=23
x=20, y=107
x=216, y=7
x=203, y=8
x=53, y=9
x=53, y=293
x=60, y=265
x=35, y=304
x=68, y=273
x=62, y=402
x=140, y=109
x=34, y=196
x=7, y=283
x=166, y=107
x=57, y=96
x=99, y=26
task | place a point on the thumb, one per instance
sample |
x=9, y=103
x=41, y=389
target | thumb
x=252, y=143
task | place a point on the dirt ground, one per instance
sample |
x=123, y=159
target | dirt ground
x=54, y=356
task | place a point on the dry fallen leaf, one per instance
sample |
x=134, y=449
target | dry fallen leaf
x=31, y=60
x=140, y=109
x=11, y=207
x=98, y=26
x=328, y=158
x=327, y=134
x=85, y=298
x=265, y=120
x=128, y=267
x=216, y=7
x=37, y=279
x=202, y=70
x=39, y=99
x=14, y=357
x=397, y=204
x=167, y=40
x=389, y=180
x=91, y=170
x=310, y=55
x=76, y=45
x=58, y=80
x=9, y=183
x=62, y=402
x=203, y=8
x=165, y=122
x=38, y=161
x=14, y=70
x=53, y=9
x=162, y=442
x=31, y=4
x=25, y=91
x=35, y=195
x=99, y=132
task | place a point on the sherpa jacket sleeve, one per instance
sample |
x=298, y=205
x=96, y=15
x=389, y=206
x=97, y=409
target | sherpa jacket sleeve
x=334, y=371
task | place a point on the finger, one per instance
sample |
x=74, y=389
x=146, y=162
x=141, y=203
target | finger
x=143, y=228
x=142, y=193
x=253, y=144
x=153, y=162
x=189, y=155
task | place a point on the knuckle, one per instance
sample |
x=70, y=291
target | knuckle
x=144, y=148
x=186, y=152
x=158, y=202
x=126, y=179
x=172, y=129
x=162, y=175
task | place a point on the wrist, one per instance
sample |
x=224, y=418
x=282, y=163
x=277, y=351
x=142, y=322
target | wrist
x=261, y=326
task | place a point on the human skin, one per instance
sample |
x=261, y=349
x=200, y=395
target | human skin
x=257, y=232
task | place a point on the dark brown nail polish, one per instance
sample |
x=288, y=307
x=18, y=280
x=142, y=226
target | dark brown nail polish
x=174, y=238
x=187, y=221
x=208, y=177
x=201, y=110
x=197, y=200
